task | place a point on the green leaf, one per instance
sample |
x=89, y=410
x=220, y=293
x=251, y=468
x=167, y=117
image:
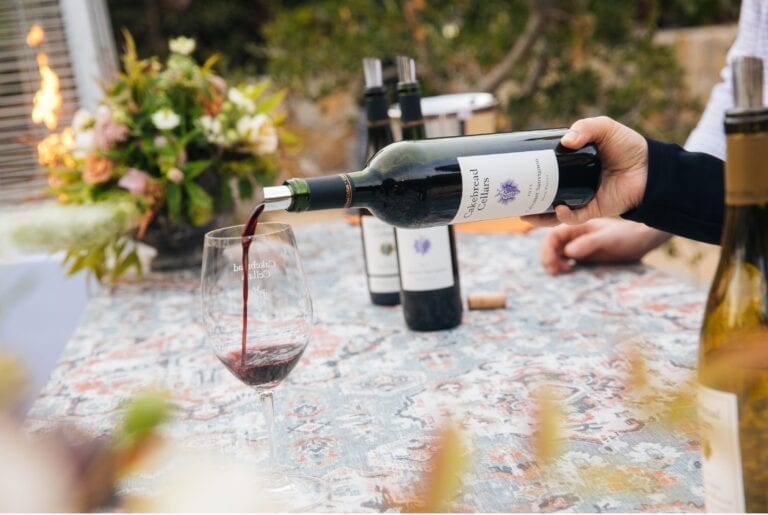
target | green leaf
x=273, y=101
x=254, y=91
x=143, y=414
x=245, y=188
x=208, y=64
x=189, y=136
x=76, y=261
x=131, y=260
x=173, y=199
x=194, y=168
x=200, y=207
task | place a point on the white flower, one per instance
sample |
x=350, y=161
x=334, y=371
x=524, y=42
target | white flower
x=175, y=175
x=210, y=125
x=259, y=133
x=240, y=100
x=165, y=119
x=83, y=143
x=82, y=120
x=182, y=45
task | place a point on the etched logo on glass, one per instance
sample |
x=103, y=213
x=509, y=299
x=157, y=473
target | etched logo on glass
x=507, y=192
x=422, y=245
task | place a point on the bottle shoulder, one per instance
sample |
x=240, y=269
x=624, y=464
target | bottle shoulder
x=397, y=155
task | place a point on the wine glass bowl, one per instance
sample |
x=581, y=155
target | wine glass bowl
x=279, y=310
x=257, y=316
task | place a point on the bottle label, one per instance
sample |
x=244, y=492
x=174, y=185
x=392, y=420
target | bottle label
x=380, y=255
x=721, y=464
x=504, y=185
x=425, y=258
x=746, y=171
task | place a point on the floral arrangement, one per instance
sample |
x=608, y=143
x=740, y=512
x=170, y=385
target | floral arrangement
x=171, y=141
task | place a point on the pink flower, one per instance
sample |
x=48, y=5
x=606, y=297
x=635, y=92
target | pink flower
x=175, y=175
x=134, y=181
x=106, y=131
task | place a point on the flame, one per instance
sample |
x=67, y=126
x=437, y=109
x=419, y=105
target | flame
x=47, y=101
x=35, y=36
x=55, y=150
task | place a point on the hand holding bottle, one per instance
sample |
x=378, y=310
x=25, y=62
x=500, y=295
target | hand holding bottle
x=624, y=155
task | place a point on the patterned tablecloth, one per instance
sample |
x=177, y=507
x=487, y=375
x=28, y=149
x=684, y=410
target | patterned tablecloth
x=362, y=407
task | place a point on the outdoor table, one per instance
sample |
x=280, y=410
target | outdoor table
x=363, y=406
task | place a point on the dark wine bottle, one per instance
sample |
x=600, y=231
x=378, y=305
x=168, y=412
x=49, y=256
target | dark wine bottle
x=440, y=181
x=733, y=351
x=429, y=274
x=379, y=247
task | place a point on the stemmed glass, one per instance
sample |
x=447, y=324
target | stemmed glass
x=262, y=340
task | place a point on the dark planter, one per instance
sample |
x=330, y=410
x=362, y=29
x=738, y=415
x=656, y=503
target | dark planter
x=178, y=246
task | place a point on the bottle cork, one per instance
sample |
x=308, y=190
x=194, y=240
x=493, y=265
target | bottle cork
x=487, y=300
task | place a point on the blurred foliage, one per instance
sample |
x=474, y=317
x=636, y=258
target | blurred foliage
x=586, y=57
x=686, y=13
x=228, y=27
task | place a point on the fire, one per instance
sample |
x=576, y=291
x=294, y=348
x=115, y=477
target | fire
x=47, y=101
x=35, y=36
x=55, y=150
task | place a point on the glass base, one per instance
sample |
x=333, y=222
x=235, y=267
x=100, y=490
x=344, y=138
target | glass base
x=294, y=492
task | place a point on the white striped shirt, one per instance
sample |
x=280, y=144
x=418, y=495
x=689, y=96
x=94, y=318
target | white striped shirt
x=752, y=40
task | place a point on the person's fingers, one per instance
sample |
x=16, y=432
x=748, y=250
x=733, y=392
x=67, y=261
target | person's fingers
x=583, y=246
x=589, y=130
x=551, y=252
x=573, y=139
x=570, y=216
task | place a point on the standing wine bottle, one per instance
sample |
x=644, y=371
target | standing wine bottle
x=429, y=274
x=457, y=179
x=733, y=353
x=379, y=247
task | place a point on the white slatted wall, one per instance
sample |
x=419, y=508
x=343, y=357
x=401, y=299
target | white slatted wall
x=21, y=178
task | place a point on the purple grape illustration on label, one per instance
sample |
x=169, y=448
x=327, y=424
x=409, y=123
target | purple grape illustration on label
x=422, y=245
x=507, y=192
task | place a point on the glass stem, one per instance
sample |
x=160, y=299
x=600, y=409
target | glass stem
x=268, y=408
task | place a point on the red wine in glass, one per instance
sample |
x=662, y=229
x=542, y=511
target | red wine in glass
x=264, y=366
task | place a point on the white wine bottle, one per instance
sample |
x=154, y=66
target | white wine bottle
x=733, y=352
x=379, y=246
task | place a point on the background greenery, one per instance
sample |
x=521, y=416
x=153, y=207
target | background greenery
x=549, y=61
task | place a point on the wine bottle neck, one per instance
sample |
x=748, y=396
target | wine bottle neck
x=409, y=98
x=311, y=194
x=376, y=108
x=743, y=220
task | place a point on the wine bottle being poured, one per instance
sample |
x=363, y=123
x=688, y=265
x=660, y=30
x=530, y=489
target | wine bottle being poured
x=441, y=181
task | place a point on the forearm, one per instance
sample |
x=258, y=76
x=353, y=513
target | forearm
x=684, y=193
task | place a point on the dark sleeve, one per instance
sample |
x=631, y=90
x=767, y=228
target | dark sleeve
x=684, y=194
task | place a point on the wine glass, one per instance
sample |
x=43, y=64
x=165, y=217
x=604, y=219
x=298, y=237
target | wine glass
x=262, y=339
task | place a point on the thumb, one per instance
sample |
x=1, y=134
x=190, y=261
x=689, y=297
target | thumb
x=570, y=216
x=589, y=130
